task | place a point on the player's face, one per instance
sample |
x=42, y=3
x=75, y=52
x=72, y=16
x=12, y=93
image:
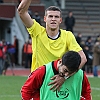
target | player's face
x=53, y=19
x=63, y=70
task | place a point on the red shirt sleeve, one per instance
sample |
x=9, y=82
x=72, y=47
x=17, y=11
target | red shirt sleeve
x=31, y=88
x=86, y=89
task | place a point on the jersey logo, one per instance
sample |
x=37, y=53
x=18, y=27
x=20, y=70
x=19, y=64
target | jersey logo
x=62, y=94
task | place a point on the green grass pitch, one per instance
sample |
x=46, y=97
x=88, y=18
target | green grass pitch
x=95, y=86
x=10, y=87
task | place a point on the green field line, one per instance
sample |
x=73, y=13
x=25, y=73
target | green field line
x=93, y=88
x=10, y=95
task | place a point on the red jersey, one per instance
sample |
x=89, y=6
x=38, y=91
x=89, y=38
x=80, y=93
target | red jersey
x=31, y=88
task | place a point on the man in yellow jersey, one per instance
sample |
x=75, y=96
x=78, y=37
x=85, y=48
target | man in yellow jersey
x=48, y=43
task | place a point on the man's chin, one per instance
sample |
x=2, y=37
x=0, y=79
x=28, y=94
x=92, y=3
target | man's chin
x=53, y=29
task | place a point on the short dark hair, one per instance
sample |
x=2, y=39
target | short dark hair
x=53, y=8
x=72, y=60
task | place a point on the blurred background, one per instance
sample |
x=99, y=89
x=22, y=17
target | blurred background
x=14, y=58
x=86, y=26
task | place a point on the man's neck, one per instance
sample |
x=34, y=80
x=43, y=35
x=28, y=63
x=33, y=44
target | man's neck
x=52, y=33
x=54, y=37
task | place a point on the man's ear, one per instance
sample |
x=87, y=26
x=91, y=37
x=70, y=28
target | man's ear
x=44, y=18
x=60, y=20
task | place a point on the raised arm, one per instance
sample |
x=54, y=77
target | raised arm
x=23, y=13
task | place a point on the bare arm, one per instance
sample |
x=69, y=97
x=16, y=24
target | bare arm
x=23, y=13
x=83, y=58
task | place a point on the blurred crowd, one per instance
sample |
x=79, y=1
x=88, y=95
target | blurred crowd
x=91, y=49
x=9, y=55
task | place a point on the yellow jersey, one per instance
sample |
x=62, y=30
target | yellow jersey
x=46, y=49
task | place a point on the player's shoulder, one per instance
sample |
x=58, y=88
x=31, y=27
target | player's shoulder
x=38, y=72
x=66, y=33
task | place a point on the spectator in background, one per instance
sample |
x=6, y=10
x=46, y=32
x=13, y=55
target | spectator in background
x=37, y=17
x=88, y=65
x=88, y=43
x=82, y=44
x=28, y=53
x=16, y=46
x=8, y=57
x=2, y=51
x=69, y=22
x=58, y=2
x=24, y=53
x=79, y=38
x=1, y=1
x=96, y=57
x=1, y=57
x=96, y=38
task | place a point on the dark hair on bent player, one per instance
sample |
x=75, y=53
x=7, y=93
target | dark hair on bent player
x=72, y=60
x=53, y=8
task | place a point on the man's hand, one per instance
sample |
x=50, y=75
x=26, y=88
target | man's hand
x=56, y=83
